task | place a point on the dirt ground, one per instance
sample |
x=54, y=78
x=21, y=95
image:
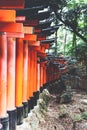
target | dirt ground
x=58, y=116
x=70, y=116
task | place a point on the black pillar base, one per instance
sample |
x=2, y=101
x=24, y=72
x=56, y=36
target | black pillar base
x=1, y=127
x=25, y=104
x=5, y=122
x=29, y=105
x=12, y=119
x=20, y=115
x=44, y=86
x=41, y=89
x=32, y=102
x=36, y=97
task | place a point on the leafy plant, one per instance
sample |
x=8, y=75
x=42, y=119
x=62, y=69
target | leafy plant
x=84, y=115
x=63, y=112
x=77, y=118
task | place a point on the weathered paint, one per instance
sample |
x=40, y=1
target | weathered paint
x=11, y=73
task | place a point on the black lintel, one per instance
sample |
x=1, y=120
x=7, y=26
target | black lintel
x=31, y=3
x=48, y=41
x=46, y=23
x=39, y=16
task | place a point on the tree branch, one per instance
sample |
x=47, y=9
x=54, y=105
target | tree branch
x=67, y=23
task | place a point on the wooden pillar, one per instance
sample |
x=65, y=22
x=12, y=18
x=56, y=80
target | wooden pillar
x=30, y=74
x=47, y=77
x=25, y=78
x=11, y=53
x=32, y=71
x=25, y=71
x=30, y=79
x=38, y=76
x=28, y=91
x=3, y=74
x=19, y=80
x=35, y=91
x=33, y=57
x=44, y=74
x=35, y=70
x=4, y=119
x=10, y=74
x=19, y=71
x=41, y=75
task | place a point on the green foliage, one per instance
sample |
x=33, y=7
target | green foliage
x=76, y=15
x=77, y=117
x=84, y=115
x=63, y=112
x=80, y=51
x=58, y=4
x=73, y=15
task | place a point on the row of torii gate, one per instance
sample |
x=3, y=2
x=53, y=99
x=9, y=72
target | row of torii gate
x=23, y=70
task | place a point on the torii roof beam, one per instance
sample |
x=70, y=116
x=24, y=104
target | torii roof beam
x=11, y=4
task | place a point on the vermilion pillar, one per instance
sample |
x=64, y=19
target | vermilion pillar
x=11, y=53
x=11, y=74
x=35, y=69
x=32, y=77
x=19, y=80
x=38, y=76
x=19, y=71
x=36, y=91
x=29, y=92
x=3, y=80
x=41, y=77
x=25, y=78
x=3, y=74
x=25, y=71
x=31, y=72
x=44, y=74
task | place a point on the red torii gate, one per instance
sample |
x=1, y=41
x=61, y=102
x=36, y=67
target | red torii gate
x=8, y=27
x=21, y=76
